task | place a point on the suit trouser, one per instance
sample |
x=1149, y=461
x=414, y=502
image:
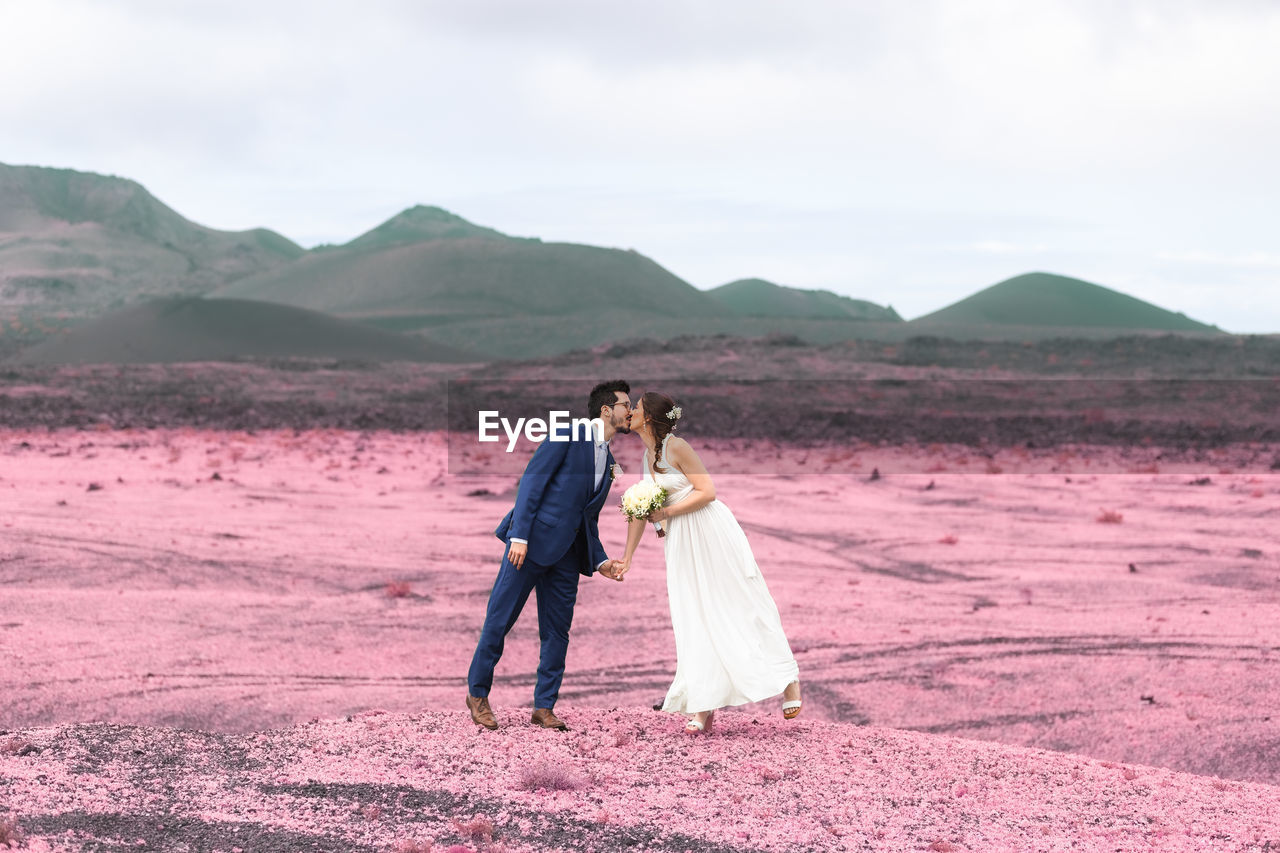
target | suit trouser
x=557, y=588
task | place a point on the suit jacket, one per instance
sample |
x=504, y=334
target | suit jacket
x=558, y=502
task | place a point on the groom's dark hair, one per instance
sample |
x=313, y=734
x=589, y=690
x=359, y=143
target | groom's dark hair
x=605, y=394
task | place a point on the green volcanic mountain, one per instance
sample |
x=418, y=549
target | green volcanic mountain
x=1044, y=299
x=76, y=243
x=420, y=224
x=755, y=297
x=184, y=329
x=508, y=297
x=425, y=266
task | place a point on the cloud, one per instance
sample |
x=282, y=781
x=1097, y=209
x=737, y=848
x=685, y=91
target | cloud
x=1251, y=260
x=1045, y=89
x=1000, y=247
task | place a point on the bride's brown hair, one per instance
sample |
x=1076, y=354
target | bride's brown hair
x=656, y=407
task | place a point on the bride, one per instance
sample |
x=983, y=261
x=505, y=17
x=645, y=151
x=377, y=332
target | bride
x=730, y=647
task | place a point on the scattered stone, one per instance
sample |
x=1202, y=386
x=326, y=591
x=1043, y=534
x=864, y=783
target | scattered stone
x=1200, y=481
x=94, y=487
x=216, y=476
x=17, y=746
x=11, y=834
x=1133, y=569
x=875, y=475
x=1150, y=700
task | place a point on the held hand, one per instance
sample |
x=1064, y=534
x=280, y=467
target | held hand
x=623, y=566
x=516, y=554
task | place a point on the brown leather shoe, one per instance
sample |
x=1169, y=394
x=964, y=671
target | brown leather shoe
x=548, y=720
x=481, y=713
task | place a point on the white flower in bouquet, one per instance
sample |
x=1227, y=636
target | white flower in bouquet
x=643, y=498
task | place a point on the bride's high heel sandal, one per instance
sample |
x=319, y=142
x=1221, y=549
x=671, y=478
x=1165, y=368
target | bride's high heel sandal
x=791, y=707
x=694, y=727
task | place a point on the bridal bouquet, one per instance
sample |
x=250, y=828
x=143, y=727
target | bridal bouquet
x=643, y=498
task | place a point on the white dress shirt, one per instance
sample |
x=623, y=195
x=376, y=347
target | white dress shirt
x=602, y=455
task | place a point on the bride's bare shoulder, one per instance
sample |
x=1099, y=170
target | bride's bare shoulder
x=677, y=443
x=679, y=448
x=684, y=457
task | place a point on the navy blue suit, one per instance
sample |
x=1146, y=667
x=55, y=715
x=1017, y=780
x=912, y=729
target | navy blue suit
x=557, y=512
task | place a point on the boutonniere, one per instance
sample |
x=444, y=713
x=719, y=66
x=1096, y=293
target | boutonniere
x=615, y=471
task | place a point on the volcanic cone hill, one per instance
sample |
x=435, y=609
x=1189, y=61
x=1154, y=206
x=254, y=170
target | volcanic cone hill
x=473, y=287
x=1045, y=299
x=186, y=329
x=419, y=224
x=76, y=243
x=755, y=297
x=426, y=266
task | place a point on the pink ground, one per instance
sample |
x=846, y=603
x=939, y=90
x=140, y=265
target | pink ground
x=136, y=588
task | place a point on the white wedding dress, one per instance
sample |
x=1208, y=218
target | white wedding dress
x=730, y=647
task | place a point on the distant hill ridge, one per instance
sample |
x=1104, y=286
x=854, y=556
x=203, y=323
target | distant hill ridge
x=755, y=297
x=1046, y=299
x=188, y=329
x=76, y=245
x=32, y=193
x=79, y=243
x=426, y=266
x=420, y=224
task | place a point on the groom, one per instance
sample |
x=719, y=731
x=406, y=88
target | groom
x=553, y=538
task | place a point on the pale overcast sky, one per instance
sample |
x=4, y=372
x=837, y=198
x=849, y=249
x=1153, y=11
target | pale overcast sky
x=907, y=152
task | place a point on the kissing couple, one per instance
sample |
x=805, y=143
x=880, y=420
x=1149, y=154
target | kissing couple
x=730, y=646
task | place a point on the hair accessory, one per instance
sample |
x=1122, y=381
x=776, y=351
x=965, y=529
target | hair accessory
x=675, y=413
